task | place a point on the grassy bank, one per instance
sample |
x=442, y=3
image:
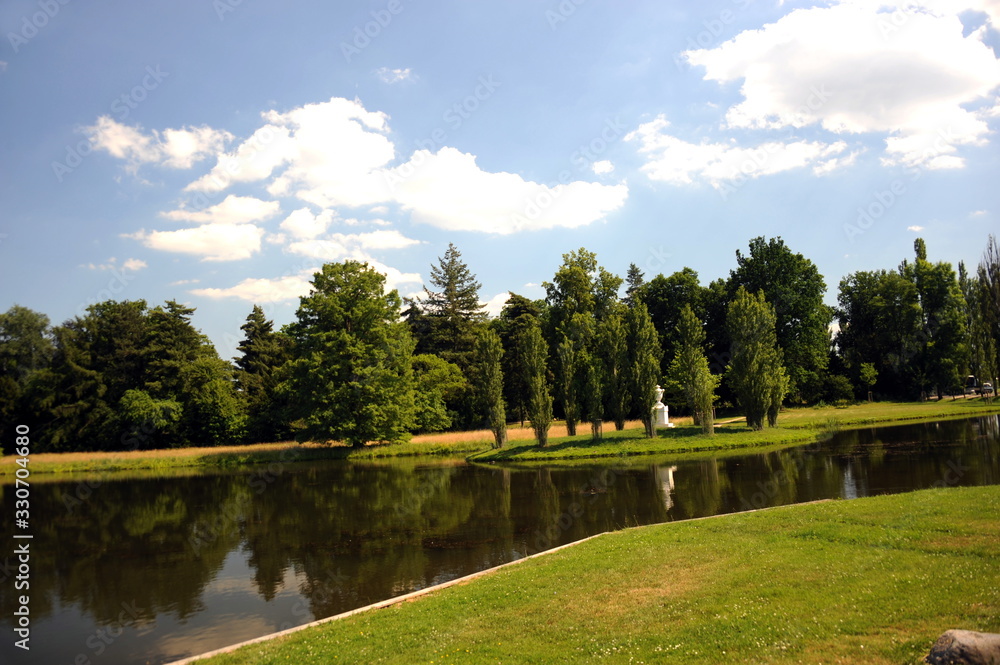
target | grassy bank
x=865, y=581
x=796, y=426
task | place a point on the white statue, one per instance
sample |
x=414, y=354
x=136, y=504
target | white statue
x=661, y=414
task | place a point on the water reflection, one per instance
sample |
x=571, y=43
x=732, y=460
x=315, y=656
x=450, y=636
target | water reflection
x=152, y=570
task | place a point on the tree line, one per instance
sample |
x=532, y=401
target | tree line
x=360, y=364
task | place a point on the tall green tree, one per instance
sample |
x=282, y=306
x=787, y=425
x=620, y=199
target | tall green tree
x=580, y=285
x=489, y=359
x=756, y=372
x=517, y=315
x=573, y=353
x=689, y=369
x=263, y=354
x=942, y=348
x=794, y=287
x=353, y=377
x=453, y=310
x=534, y=351
x=611, y=349
x=643, y=353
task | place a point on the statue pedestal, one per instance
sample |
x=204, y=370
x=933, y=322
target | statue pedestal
x=661, y=413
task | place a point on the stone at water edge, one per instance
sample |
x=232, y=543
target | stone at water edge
x=965, y=647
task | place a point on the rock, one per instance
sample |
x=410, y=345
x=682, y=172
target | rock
x=965, y=647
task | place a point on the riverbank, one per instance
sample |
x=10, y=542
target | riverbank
x=797, y=426
x=872, y=580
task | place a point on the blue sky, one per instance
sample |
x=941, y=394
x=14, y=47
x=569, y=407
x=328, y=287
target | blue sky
x=216, y=152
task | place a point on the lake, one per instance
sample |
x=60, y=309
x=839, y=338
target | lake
x=150, y=570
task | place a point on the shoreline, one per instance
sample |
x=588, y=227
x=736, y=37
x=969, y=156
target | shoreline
x=797, y=426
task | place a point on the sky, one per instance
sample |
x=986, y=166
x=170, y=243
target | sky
x=217, y=152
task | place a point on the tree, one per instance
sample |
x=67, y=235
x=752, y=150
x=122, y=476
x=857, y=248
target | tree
x=352, y=379
x=665, y=297
x=869, y=375
x=643, y=353
x=580, y=286
x=264, y=353
x=613, y=346
x=437, y=383
x=539, y=403
x=879, y=319
x=689, y=369
x=25, y=349
x=517, y=315
x=755, y=372
x=794, y=288
x=446, y=322
x=634, y=280
x=489, y=356
x=453, y=310
x=573, y=353
x=942, y=350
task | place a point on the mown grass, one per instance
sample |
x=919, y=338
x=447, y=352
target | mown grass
x=797, y=426
x=873, y=580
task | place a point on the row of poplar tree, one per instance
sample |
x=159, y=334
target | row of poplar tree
x=360, y=364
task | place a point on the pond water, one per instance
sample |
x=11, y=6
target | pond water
x=153, y=570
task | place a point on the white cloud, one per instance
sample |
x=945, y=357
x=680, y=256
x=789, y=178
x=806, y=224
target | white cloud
x=112, y=264
x=337, y=246
x=671, y=159
x=602, y=167
x=134, y=264
x=303, y=224
x=232, y=210
x=393, y=75
x=173, y=148
x=182, y=282
x=979, y=213
x=212, y=242
x=289, y=287
x=448, y=190
x=915, y=229
x=905, y=71
x=331, y=152
x=494, y=305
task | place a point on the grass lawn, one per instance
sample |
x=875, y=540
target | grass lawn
x=795, y=426
x=801, y=425
x=872, y=580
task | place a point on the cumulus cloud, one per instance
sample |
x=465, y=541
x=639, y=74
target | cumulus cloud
x=326, y=154
x=671, y=159
x=338, y=246
x=302, y=223
x=172, y=148
x=289, y=287
x=448, y=190
x=292, y=287
x=494, y=305
x=915, y=229
x=602, y=167
x=909, y=72
x=212, y=242
x=232, y=210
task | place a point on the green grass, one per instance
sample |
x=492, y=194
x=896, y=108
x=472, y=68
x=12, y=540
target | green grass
x=872, y=580
x=795, y=426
